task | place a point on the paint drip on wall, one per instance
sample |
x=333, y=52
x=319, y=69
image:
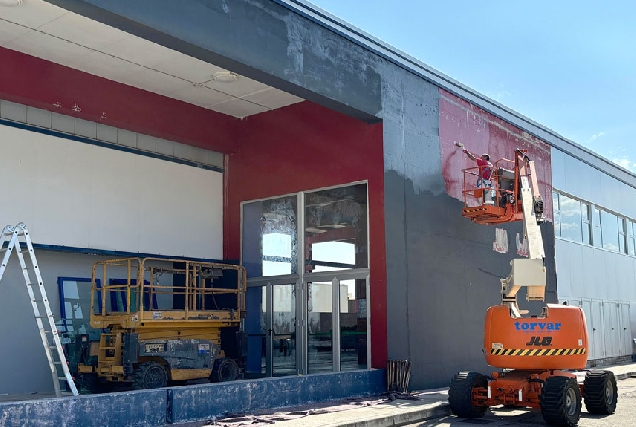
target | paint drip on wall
x=522, y=247
x=501, y=241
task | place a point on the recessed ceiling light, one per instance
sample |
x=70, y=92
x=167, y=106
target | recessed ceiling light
x=225, y=77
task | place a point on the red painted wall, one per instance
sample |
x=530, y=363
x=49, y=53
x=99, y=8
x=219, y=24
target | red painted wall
x=303, y=147
x=43, y=84
x=481, y=132
x=300, y=147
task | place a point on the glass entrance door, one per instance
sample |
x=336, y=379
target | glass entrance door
x=283, y=330
x=272, y=326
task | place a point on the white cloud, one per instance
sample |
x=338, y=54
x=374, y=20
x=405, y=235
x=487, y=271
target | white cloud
x=625, y=163
x=596, y=135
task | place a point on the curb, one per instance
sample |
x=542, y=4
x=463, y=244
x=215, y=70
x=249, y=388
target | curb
x=408, y=417
x=625, y=376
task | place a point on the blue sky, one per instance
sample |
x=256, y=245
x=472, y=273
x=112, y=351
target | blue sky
x=569, y=65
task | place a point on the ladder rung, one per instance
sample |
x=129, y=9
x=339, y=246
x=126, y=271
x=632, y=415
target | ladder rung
x=108, y=348
x=62, y=378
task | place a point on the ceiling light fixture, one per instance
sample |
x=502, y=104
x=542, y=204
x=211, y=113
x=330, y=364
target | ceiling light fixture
x=10, y=2
x=225, y=77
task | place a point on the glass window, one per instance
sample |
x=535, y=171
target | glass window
x=319, y=327
x=353, y=325
x=570, y=218
x=622, y=235
x=631, y=228
x=336, y=228
x=284, y=329
x=75, y=308
x=557, y=213
x=586, y=217
x=609, y=223
x=270, y=237
x=598, y=230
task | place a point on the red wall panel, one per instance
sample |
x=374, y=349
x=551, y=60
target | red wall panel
x=481, y=132
x=300, y=147
x=303, y=147
x=43, y=84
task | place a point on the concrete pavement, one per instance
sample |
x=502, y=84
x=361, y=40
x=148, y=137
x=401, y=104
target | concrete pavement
x=430, y=404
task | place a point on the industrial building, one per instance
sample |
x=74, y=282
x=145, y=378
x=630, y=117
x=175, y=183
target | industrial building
x=272, y=134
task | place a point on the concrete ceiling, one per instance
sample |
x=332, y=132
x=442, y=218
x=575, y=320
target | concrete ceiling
x=49, y=32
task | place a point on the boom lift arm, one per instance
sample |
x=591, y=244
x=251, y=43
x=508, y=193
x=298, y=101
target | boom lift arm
x=518, y=199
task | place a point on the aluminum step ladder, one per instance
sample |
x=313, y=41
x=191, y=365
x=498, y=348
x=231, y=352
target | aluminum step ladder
x=13, y=237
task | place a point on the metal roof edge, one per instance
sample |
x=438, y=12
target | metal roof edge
x=414, y=65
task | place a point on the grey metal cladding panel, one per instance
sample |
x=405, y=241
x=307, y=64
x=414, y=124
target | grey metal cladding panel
x=581, y=180
x=38, y=117
x=86, y=128
x=183, y=151
x=127, y=138
x=63, y=123
x=165, y=147
x=106, y=133
x=628, y=198
x=215, y=159
x=564, y=287
x=146, y=142
x=13, y=111
x=558, y=169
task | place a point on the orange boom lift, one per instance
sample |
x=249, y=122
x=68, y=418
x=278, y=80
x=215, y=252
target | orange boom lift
x=537, y=355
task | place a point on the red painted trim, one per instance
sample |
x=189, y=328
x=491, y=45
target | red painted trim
x=303, y=147
x=43, y=84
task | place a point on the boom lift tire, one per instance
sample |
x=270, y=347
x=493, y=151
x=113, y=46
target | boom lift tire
x=561, y=401
x=460, y=394
x=224, y=370
x=601, y=392
x=150, y=375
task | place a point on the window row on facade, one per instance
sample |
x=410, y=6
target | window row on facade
x=584, y=222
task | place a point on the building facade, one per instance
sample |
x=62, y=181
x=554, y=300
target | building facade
x=271, y=134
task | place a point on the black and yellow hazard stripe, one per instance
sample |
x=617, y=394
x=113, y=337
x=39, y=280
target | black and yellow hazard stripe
x=537, y=352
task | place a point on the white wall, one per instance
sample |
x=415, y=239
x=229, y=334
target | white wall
x=74, y=194
x=25, y=368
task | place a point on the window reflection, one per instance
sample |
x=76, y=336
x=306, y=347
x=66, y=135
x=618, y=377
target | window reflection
x=609, y=224
x=598, y=238
x=586, y=216
x=622, y=237
x=270, y=237
x=336, y=228
x=557, y=213
x=570, y=218
x=631, y=242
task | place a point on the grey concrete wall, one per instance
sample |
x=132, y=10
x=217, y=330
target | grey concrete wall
x=205, y=401
x=143, y=408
